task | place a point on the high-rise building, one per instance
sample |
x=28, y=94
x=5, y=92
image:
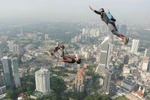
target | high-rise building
x=1, y=74
x=46, y=37
x=126, y=70
x=16, y=49
x=129, y=83
x=147, y=53
x=145, y=62
x=104, y=56
x=7, y=71
x=123, y=29
x=1, y=51
x=42, y=79
x=109, y=82
x=11, y=46
x=22, y=32
x=15, y=71
x=135, y=45
x=126, y=59
x=80, y=81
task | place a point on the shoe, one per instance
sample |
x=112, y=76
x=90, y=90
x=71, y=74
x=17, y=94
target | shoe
x=125, y=40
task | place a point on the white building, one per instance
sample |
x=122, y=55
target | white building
x=135, y=45
x=46, y=37
x=126, y=70
x=145, y=62
x=42, y=79
x=11, y=46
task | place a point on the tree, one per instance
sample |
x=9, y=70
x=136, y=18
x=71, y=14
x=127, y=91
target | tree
x=58, y=85
x=98, y=97
x=11, y=94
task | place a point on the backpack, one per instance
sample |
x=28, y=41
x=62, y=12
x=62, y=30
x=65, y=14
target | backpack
x=109, y=15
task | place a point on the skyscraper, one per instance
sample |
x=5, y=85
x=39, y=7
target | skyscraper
x=11, y=46
x=42, y=79
x=145, y=62
x=135, y=45
x=7, y=71
x=126, y=59
x=1, y=51
x=16, y=49
x=147, y=53
x=104, y=56
x=21, y=32
x=109, y=82
x=123, y=29
x=15, y=70
x=1, y=73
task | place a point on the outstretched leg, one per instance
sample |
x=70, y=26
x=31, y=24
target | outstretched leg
x=112, y=27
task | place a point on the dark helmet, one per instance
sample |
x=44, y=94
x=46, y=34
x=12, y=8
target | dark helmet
x=101, y=10
x=79, y=61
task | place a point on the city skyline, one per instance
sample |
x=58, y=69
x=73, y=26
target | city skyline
x=50, y=10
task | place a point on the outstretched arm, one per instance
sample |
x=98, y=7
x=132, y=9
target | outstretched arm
x=108, y=10
x=91, y=8
x=97, y=12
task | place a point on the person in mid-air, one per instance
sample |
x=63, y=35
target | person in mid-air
x=110, y=21
x=68, y=58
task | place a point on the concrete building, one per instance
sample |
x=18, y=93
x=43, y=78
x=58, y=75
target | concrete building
x=109, y=82
x=16, y=49
x=104, y=56
x=7, y=71
x=2, y=89
x=128, y=83
x=11, y=46
x=80, y=81
x=145, y=62
x=135, y=45
x=15, y=71
x=126, y=70
x=1, y=51
x=42, y=79
x=126, y=59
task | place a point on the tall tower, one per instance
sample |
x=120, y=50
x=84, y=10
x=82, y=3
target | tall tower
x=135, y=45
x=126, y=59
x=123, y=29
x=1, y=73
x=42, y=79
x=21, y=32
x=145, y=62
x=16, y=49
x=11, y=46
x=15, y=70
x=7, y=70
x=104, y=56
x=109, y=82
x=1, y=51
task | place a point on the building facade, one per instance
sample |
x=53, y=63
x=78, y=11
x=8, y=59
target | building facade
x=80, y=81
x=42, y=79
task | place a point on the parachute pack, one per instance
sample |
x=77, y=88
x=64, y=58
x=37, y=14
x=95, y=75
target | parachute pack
x=109, y=15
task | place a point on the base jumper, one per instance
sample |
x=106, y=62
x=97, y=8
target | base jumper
x=110, y=22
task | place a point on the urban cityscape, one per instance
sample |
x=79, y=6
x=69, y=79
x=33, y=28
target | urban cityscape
x=109, y=69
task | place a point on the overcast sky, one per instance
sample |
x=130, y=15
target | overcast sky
x=123, y=10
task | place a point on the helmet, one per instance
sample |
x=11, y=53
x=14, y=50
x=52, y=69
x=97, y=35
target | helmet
x=101, y=10
x=79, y=61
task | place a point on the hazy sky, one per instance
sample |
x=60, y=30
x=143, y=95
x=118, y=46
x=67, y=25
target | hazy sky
x=123, y=10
